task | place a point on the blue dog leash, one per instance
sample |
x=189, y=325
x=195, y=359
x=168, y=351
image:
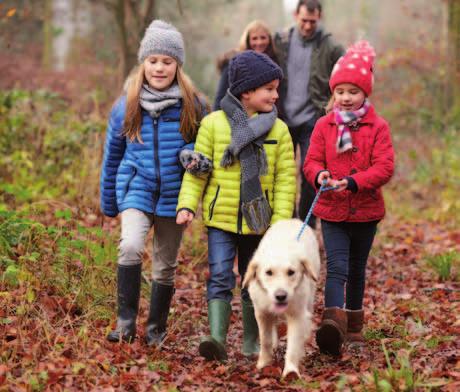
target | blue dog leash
x=322, y=188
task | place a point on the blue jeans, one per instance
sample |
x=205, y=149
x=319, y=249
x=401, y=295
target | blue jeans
x=222, y=249
x=301, y=136
x=347, y=248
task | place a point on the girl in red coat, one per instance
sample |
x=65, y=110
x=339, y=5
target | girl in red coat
x=351, y=149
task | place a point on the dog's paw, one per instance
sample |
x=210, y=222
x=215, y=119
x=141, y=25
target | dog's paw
x=263, y=361
x=291, y=372
x=292, y=376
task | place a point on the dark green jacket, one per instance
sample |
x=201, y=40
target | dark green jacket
x=324, y=55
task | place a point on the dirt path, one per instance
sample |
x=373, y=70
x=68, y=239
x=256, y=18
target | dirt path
x=413, y=328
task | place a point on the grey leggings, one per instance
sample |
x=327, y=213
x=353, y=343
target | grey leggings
x=135, y=225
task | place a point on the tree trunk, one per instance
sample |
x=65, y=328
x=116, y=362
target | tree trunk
x=47, y=36
x=132, y=18
x=454, y=53
x=119, y=13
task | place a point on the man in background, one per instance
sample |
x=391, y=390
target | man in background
x=307, y=55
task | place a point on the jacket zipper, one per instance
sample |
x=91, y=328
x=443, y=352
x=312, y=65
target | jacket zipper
x=239, y=223
x=156, y=160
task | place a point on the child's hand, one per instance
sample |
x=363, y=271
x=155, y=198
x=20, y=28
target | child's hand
x=341, y=184
x=324, y=175
x=192, y=164
x=184, y=217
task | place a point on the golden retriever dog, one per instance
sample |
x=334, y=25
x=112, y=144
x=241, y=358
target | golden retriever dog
x=281, y=280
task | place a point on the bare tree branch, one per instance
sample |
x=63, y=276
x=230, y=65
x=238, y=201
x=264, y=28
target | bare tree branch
x=109, y=4
x=134, y=12
x=131, y=18
x=179, y=5
x=147, y=14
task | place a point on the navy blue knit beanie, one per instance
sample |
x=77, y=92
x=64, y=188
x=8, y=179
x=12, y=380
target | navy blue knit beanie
x=249, y=70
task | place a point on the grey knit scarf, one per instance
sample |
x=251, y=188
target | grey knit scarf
x=154, y=101
x=248, y=136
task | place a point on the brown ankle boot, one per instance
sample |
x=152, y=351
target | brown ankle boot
x=355, y=326
x=332, y=332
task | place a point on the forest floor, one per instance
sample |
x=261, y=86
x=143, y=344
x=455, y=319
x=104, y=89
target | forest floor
x=412, y=331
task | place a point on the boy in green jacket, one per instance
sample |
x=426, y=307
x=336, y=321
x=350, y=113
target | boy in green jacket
x=251, y=186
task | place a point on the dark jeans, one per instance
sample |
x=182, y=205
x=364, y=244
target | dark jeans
x=301, y=136
x=347, y=248
x=222, y=249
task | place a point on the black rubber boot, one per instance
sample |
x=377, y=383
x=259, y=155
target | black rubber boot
x=160, y=301
x=213, y=347
x=128, y=293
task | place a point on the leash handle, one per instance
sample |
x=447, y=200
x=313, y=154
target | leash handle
x=322, y=188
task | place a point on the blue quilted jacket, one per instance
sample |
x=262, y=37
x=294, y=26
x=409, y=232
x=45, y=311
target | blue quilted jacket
x=146, y=176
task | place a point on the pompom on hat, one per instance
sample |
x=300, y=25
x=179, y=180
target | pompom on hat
x=356, y=66
x=162, y=38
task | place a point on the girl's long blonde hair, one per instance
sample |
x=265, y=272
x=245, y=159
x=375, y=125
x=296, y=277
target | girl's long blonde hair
x=191, y=113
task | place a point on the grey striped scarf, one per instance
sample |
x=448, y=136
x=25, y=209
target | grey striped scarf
x=248, y=135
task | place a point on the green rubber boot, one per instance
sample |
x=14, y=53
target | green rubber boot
x=250, y=330
x=213, y=347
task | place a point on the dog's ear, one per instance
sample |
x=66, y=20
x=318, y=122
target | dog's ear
x=251, y=273
x=308, y=271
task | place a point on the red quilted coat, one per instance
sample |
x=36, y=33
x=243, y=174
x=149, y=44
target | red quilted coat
x=370, y=163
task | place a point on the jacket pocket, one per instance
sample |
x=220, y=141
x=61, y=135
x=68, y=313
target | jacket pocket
x=129, y=182
x=271, y=141
x=213, y=203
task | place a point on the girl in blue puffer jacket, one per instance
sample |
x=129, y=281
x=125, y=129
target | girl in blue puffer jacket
x=142, y=174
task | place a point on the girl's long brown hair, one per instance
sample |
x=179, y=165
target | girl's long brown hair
x=191, y=113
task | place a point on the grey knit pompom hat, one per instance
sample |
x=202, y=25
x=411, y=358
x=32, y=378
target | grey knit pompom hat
x=162, y=38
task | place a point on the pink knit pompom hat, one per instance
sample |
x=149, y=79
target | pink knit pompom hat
x=355, y=67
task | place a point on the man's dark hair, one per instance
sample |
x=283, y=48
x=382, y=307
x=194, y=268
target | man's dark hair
x=311, y=5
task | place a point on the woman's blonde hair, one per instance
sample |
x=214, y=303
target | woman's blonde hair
x=254, y=26
x=191, y=113
x=244, y=43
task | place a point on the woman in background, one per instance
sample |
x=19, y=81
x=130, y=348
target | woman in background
x=256, y=36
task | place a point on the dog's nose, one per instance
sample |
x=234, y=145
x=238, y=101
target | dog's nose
x=280, y=295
